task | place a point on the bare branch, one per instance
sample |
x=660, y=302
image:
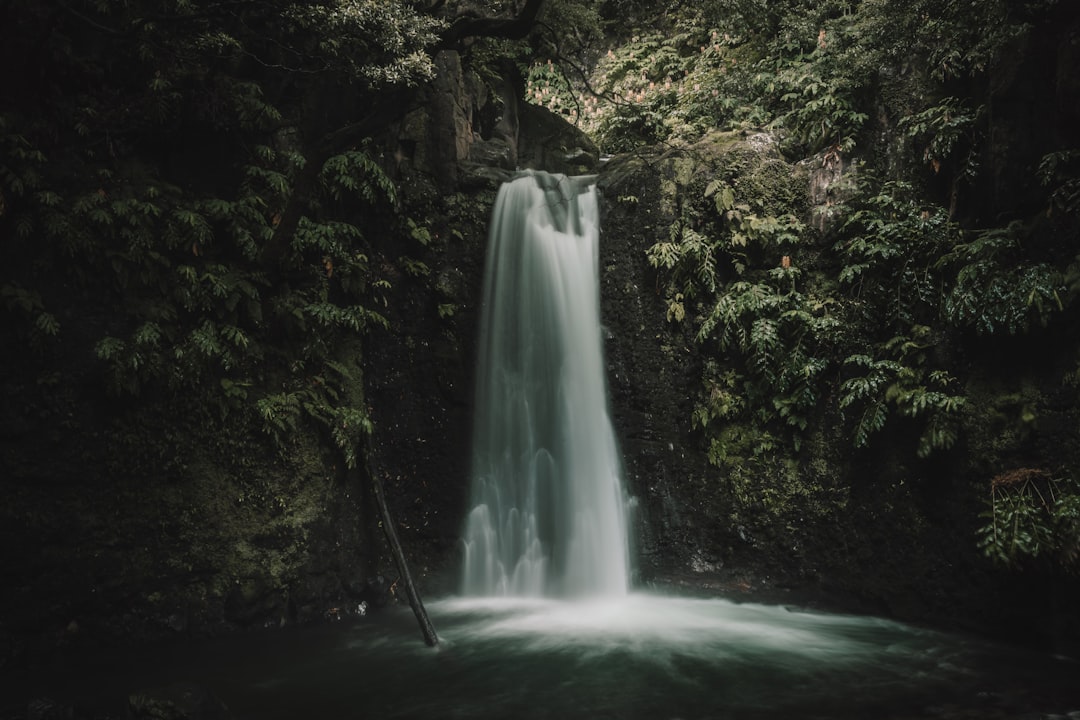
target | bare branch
x=89, y=20
x=513, y=28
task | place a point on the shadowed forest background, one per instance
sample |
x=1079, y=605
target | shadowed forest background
x=243, y=245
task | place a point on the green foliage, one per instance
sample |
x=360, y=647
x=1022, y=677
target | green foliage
x=692, y=254
x=728, y=236
x=718, y=70
x=39, y=325
x=734, y=445
x=910, y=274
x=381, y=43
x=416, y=268
x=762, y=323
x=949, y=40
x=1032, y=517
x=191, y=178
x=907, y=263
x=944, y=130
x=813, y=69
x=419, y=233
x=996, y=290
x=1060, y=171
x=900, y=382
x=722, y=399
x=663, y=87
x=902, y=276
x=892, y=247
x=781, y=337
x=354, y=175
x=750, y=232
x=815, y=99
x=317, y=398
x=890, y=244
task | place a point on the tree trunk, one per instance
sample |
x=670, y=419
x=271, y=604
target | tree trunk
x=415, y=602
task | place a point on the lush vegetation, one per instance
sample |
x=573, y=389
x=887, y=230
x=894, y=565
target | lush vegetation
x=198, y=175
x=869, y=314
x=195, y=194
x=1032, y=518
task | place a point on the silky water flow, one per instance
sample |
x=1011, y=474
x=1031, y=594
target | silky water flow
x=546, y=626
x=549, y=509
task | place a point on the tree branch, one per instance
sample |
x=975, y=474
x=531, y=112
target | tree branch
x=426, y=628
x=513, y=28
x=90, y=21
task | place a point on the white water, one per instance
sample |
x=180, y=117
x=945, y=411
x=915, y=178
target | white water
x=548, y=505
x=547, y=627
x=549, y=519
x=638, y=657
x=717, y=633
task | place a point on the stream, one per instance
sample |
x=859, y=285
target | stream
x=640, y=656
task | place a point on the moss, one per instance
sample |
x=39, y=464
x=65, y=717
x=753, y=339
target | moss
x=143, y=520
x=779, y=491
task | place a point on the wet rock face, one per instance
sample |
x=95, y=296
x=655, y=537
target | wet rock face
x=830, y=176
x=468, y=134
x=453, y=154
x=874, y=530
x=650, y=406
x=654, y=365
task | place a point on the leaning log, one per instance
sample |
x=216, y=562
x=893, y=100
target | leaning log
x=426, y=628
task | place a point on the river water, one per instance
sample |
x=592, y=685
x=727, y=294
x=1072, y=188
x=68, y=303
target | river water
x=641, y=656
x=548, y=628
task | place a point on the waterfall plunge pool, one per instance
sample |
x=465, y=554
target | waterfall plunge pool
x=548, y=519
x=639, y=656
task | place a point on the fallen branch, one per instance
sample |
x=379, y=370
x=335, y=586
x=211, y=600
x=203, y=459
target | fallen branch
x=426, y=628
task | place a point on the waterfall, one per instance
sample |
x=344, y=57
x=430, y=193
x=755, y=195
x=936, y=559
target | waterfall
x=548, y=511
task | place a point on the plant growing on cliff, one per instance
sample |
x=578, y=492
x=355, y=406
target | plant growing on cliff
x=1060, y=173
x=946, y=132
x=896, y=379
x=781, y=337
x=1032, y=516
x=996, y=288
x=815, y=95
x=167, y=175
x=759, y=321
x=891, y=245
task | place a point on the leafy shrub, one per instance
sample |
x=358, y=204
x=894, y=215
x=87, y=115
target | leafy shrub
x=1032, y=517
x=195, y=176
x=753, y=312
x=996, y=289
x=901, y=383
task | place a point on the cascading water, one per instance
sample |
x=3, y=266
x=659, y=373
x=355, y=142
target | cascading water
x=549, y=508
x=549, y=518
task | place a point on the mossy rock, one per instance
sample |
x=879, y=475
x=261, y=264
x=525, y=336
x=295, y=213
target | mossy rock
x=664, y=178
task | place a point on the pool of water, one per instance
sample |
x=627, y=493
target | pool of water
x=643, y=656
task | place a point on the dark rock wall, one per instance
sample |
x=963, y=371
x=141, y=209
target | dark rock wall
x=122, y=523
x=875, y=529
x=654, y=373
x=452, y=155
x=155, y=519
